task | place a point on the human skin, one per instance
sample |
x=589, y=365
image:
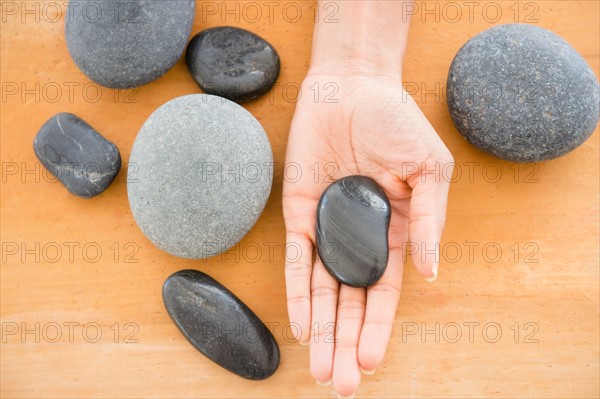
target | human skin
x=370, y=126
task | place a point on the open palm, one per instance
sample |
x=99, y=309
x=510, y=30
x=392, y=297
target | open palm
x=365, y=126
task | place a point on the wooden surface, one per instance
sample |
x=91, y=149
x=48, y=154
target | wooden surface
x=540, y=291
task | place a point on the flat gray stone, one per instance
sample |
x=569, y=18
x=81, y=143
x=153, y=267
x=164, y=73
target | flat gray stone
x=122, y=44
x=203, y=169
x=522, y=93
x=220, y=325
x=77, y=155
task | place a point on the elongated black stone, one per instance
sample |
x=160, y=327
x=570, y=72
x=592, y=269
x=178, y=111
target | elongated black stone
x=219, y=325
x=84, y=161
x=353, y=218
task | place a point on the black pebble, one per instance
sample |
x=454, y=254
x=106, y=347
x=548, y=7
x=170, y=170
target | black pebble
x=84, y=161
x=232, y=63
x=219, y=325
x=353, y=218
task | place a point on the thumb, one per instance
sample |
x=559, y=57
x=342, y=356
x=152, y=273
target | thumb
x=427, y=218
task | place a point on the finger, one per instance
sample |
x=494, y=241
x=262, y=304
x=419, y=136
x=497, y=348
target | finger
x=350, y=316
x=382, y=302
x=426, y=221
x=324, y=302
x=299, y=213
x=298, y=270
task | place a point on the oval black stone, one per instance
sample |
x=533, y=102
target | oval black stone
x=522, y=93
x=77, y=155
x=232, y=63
x=219, y=325
x=353, y=219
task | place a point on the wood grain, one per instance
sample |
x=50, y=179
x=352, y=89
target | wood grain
x=521, y=251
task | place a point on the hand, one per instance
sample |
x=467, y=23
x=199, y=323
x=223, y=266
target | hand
x=374, y=129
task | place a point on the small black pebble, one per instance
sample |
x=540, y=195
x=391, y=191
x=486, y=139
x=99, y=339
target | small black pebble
x=232, y=63
x=84, y=161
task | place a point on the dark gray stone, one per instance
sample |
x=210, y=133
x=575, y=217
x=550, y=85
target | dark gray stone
x=122, y=44
x=203, y=173
x=84, y=161
x=220, y=326
x=522, y=93
x=232, y=63
x=353, y=218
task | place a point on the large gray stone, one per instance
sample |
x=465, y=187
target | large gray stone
x=202, y=174
x=122, y=44
x=522, y=93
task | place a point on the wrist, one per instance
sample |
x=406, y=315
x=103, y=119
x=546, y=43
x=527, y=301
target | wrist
x=365, y=37
x=356, y=65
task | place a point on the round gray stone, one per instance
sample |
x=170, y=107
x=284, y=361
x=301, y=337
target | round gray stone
x=200, y=174
x=124, y=44
x=522, y=93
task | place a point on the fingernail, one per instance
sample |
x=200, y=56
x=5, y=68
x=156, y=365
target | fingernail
x=303, y=343
x=345, y=397
x=435, y=273
x=324, y=384
x=367, y=372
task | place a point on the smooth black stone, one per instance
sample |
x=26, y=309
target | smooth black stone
x=84, y=161
x=127, y=43
x=522, y=93
x=219, y=325
x=353, y=219
x=232, y=63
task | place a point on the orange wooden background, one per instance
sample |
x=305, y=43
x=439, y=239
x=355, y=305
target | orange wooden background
x=532, y=275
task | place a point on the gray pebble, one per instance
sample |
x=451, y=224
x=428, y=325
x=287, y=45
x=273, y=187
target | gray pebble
x=522, y=93
x=124, y=44
x=202, y=174
x=77, y=155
